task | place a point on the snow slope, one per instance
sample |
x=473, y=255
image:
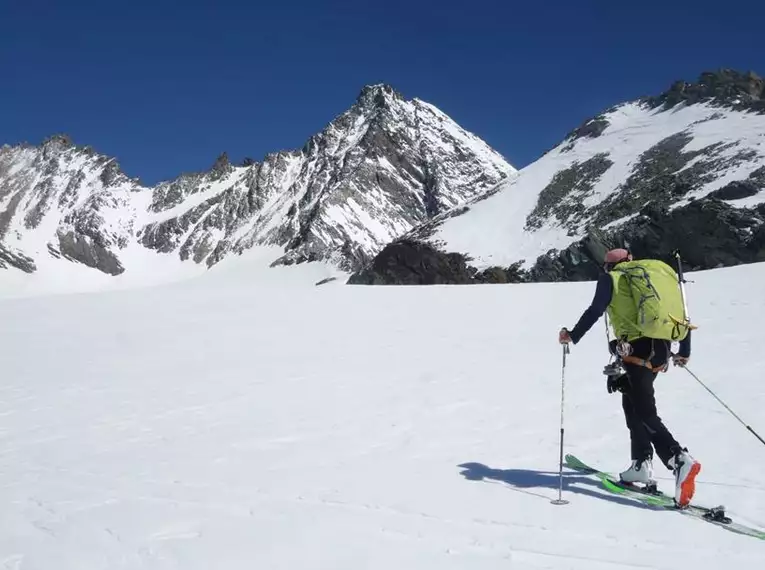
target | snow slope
x=216, y=423
x=586, y=181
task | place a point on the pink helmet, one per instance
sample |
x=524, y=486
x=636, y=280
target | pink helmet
x=617, y=256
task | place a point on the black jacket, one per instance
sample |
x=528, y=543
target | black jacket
x=641, y=347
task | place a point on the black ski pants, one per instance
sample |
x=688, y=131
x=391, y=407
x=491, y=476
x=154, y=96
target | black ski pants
x=647, y=431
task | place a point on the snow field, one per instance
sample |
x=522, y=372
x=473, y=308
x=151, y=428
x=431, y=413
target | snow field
x=226, y=422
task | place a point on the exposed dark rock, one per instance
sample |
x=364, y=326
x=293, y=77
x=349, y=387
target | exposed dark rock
x=411, y=263
x=742, y=91
x=7, y=215
x=579, y=262
x=20, y=261
x=563, y=197
x=221, y=167
x=68, y=197
x=758, y=177
x=111, y=173
x=656, y=178
x=512, y=274
x=81, y=248
x=45, y=189
x=709, y=233
x=736, y=190
x=592, y=128
x=54, y=145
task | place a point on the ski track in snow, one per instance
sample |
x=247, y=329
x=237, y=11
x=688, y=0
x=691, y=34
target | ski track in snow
x=223, y=422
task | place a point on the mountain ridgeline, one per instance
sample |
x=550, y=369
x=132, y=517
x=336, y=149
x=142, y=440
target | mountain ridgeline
x=684, y=171
x=395, y=192
x=375, y=172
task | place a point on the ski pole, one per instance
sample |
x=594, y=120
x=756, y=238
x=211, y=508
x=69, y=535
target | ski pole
x=726, y=406
x=560, y=500
x=681, y=281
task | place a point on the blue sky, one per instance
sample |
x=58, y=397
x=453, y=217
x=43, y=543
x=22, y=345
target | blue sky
x=167, y=85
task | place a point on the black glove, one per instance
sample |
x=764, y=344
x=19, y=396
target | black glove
x=617, y=383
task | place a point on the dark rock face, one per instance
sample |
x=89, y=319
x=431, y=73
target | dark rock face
x=741, y=91
x=736, y=191
x=85, y=250
x=662, y=175
x=413, y=263
x=592, y=128
x=564, y=195
x=10, y=259
x=709, y=233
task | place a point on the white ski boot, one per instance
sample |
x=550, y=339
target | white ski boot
x=685, y=468
x=639, y=472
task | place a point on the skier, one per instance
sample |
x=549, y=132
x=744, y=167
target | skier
x=643, y=358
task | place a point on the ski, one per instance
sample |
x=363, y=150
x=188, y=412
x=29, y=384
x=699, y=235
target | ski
x=655, y=498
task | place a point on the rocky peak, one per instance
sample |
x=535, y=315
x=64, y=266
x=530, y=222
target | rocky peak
x=654, y=184
x=378, y=97
x=221, y=166
x=56, y=144
x=376, y=171
x=740, y=90
x=111, y=172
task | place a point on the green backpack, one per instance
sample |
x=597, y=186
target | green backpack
x=647, y=301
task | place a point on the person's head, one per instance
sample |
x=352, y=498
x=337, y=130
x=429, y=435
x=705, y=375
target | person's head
x=614, y=257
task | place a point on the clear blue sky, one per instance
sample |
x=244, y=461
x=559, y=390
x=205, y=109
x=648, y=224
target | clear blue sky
x=167, y=85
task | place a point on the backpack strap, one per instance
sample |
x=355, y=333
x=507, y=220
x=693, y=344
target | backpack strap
x=645, y=363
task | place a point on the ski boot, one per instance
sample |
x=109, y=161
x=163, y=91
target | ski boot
x=686, y=468
x=640, y=476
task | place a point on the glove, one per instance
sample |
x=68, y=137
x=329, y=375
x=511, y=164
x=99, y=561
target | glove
x=679, y=360
x=616, y=383
x=564, y=337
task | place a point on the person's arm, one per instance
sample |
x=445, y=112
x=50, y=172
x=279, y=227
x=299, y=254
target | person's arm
x=684, y=351
x=600, y=302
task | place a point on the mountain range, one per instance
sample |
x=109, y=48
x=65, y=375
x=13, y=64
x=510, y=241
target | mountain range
x=683, y=171
x=393, y=191
x=378, y=170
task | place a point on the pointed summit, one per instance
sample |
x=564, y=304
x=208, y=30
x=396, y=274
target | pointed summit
x=56, y=144
x=377, y=170
x=378, y=95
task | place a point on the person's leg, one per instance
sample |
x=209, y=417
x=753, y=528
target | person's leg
x=640, y=439
x=642, y=397
x=641, y=451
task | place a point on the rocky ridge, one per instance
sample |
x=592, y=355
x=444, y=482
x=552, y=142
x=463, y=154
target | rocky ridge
x=383, y=167
x=681, y=171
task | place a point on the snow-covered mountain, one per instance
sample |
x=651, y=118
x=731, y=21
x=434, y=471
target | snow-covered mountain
x=376, y=171
x=685, y=170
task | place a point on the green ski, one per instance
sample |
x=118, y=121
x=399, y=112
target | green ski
x=714, y=515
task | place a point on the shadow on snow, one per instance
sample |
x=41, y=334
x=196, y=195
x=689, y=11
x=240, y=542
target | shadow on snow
x=523, y=480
